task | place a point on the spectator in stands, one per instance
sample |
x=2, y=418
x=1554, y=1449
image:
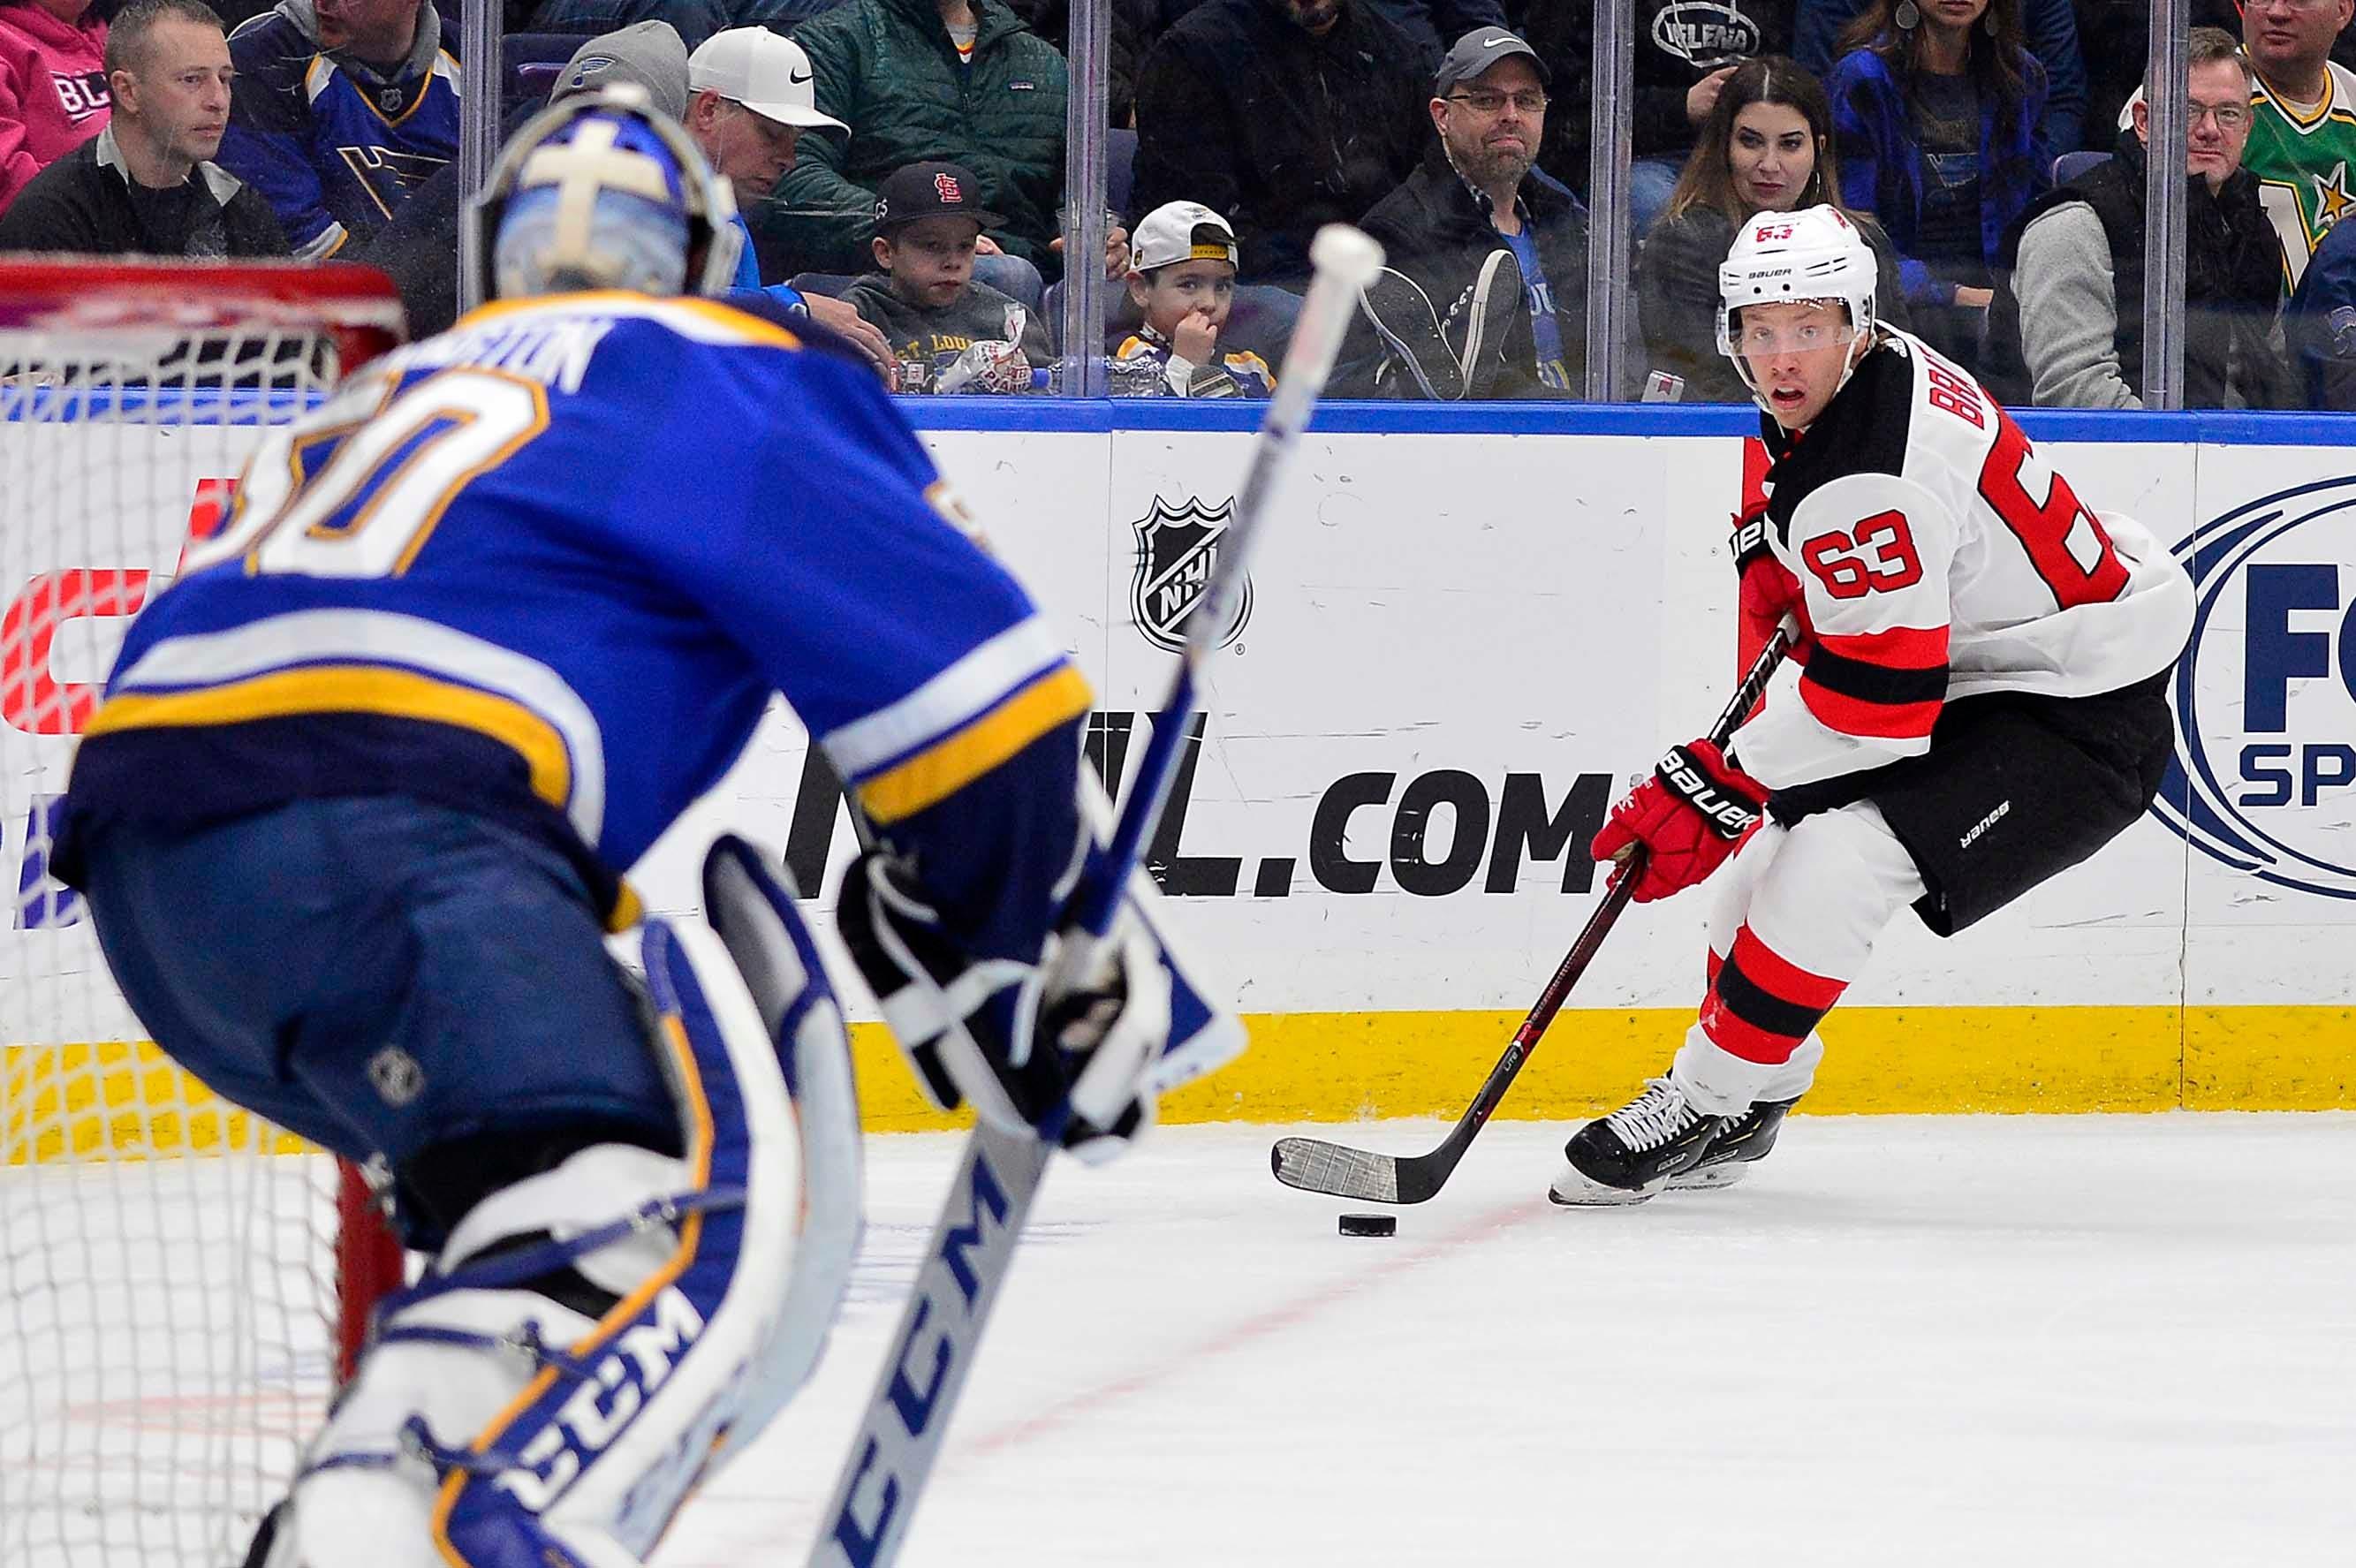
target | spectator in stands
x=2319, y=323
x=947, y=333
x=1429, y=328
x=2067, y=326
x=1181, y=280
x=920, y=80
x=341, y=109
x=1766, y=147
x=2053, y=34
x=2113, y=37
x=1936, y=110
x=1282, y=116
x=1125, y=46
x=753, y=100
x=143, y=186
x=692, y=20
x=1685, y=52
x=2302, y=146
x=417, y=246
x=52, y=86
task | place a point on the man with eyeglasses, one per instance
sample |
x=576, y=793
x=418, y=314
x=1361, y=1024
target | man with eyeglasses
x=1485, y=295
x=2302, y=135
x=2066, y=328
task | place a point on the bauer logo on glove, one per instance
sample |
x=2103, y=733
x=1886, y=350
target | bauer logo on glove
x=1687, y=818
x=1732, y=815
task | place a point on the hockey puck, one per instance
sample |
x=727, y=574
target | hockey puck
x=1369, y=1224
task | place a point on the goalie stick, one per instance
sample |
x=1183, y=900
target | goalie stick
x=990, y=1199
x=1338, y=1171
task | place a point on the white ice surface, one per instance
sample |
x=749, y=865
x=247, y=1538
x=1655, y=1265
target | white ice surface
x=2083, y=1340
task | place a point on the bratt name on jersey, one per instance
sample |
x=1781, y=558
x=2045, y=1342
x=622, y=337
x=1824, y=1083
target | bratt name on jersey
x=1952, y=391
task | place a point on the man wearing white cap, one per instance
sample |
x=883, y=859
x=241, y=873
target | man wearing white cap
x=749, y=100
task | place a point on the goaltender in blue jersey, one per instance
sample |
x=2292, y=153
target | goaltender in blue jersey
x=355, y=816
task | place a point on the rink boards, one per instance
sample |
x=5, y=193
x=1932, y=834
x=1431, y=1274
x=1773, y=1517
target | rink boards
x=1457, y=644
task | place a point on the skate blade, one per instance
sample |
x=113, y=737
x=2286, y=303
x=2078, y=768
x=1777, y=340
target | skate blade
x=1715, y=1177
x=1572, y=1190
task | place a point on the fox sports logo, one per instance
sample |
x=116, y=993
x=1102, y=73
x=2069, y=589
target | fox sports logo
x=2263, y=777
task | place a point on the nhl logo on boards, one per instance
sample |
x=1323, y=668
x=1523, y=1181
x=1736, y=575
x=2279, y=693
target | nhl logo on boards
x=1177, y=546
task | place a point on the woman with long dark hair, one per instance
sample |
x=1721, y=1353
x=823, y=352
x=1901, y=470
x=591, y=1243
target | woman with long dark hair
x=1935, y=109
x=1766, y=147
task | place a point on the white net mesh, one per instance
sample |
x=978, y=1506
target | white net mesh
x=169, y=1324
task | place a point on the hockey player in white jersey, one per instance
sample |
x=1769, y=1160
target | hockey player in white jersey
x=1973, y=705
x=354, y=820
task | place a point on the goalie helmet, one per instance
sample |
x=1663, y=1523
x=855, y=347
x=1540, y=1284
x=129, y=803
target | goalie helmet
x=602, y=190
x=1785, y=258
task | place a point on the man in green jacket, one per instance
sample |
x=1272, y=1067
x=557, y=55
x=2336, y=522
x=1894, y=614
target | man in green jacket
x=918, y=79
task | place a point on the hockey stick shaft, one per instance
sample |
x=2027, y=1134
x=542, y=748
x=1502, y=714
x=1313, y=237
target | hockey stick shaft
x=998, y=1178
x=1315, y=1165
x=1346, y=261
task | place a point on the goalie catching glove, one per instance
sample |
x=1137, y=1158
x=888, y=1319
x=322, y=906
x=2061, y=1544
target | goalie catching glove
x=1016, y=1042
x=1691, y=815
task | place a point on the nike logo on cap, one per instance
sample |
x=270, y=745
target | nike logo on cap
x=1492, y=43
x=798, y=81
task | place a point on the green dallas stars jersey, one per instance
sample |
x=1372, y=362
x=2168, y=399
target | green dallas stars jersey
x=2302, y=164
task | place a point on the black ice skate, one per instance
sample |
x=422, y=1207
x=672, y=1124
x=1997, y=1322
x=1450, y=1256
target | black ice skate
x=1636, y=1150
x=1740, y=1143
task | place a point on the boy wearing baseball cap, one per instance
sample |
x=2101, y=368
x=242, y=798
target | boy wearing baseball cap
x=1182, y=278
x=947, y=333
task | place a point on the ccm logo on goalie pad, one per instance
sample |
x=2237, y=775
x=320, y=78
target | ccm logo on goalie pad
x=605, y=1404
x=1728, y=817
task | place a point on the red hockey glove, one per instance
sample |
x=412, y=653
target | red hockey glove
x=1691, y=814
x=1769, y=591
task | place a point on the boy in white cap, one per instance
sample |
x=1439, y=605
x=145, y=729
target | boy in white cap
x=1182, y=278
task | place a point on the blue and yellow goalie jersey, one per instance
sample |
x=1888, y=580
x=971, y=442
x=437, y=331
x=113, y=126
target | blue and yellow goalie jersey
x=549, y=567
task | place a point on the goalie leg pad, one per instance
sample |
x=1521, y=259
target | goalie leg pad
x=548, y=1395
x=755, y=917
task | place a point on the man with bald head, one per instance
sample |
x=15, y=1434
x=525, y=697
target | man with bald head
x=146, y=184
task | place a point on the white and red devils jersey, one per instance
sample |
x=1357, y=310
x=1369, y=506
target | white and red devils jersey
x=1933, y=555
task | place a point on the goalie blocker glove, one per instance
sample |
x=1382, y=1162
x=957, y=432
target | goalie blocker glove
x=997, y=1032
x=1691, y=815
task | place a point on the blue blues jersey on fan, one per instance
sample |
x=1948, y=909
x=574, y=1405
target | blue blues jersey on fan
x=335, y=145
x=444, y=583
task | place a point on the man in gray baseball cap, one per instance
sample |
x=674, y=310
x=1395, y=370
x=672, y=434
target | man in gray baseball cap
x=649, y=54
x=1471, y=56
x=1484, y=294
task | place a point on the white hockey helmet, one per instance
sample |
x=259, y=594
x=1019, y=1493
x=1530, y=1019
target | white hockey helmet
x=602, y=190
x=1781, y=258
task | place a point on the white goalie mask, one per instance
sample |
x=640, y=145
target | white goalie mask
x=1788, y=258
x=602, y=190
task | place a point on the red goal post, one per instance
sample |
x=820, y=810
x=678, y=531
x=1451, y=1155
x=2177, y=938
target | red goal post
x=181, y=1284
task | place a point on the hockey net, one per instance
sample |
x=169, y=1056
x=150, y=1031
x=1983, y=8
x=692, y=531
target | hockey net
x=181, y=1283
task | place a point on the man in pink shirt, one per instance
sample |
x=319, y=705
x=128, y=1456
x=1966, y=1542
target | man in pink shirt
x=53, y=94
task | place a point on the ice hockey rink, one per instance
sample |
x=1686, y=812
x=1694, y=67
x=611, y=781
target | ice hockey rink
x=1919, y=1340
x=2107, y=1339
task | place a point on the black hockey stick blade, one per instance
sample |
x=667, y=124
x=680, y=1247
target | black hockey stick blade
x=1314, y=1166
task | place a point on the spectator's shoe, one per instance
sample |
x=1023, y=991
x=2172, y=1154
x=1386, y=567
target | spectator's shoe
x=1403, y=318
x=1487, y=313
